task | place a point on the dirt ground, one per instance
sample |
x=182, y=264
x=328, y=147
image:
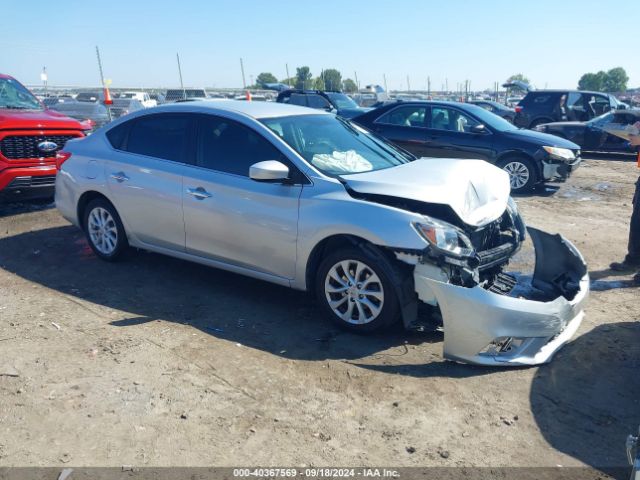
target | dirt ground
x=153, y=361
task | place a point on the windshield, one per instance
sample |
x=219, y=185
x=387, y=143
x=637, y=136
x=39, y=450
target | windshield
x=14, y=96
x=491, y=120
x=334, y=145
x=342, y=101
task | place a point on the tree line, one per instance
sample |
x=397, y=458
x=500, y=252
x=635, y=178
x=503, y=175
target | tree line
x=329, y=79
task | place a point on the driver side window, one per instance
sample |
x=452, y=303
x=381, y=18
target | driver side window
x=407, y=116
x=452, y=120
x=227, y=146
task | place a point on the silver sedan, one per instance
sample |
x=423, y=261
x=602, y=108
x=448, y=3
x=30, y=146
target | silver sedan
x=306, y=199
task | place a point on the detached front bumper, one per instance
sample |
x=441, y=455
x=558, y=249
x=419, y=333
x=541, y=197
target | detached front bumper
x=487, y=328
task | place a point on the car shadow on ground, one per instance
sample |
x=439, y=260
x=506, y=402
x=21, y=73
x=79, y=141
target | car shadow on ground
x=155, y=287
x=587, y=400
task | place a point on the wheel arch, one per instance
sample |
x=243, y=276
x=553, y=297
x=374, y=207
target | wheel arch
x=325, y=245
x=522, y=154
x=84, y=200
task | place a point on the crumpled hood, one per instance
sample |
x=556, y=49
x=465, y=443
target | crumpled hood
x=477, y=191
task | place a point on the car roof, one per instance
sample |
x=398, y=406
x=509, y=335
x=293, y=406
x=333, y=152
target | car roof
x=253, y=109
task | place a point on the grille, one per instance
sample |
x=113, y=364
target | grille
x=31, y=182
x=26, y=146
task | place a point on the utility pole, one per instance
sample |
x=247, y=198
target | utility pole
x=446, y=84
x=286, y=66
x=102, y=78
x=184, y=92
x=244, y=82
x=43, y=77
x=384, y=77
x=429, y=86
x=355, y=74
x=408, y=84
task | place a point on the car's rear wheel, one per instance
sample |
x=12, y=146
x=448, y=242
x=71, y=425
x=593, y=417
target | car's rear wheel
x=356, y=290
x=104, y=230
x=522, y=175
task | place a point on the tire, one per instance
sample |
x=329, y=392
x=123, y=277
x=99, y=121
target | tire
x=522, y=173
x=359, y=312
x=104, y=230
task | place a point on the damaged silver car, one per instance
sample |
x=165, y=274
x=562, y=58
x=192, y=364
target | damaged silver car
x=308, y=200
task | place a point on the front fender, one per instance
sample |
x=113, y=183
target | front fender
x=327, y=210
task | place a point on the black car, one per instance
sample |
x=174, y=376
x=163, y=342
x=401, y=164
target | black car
x=337, y=102
x=96, y=113
x=461, y=130
x=591, y=135
x=503, y=111
x=547, y=106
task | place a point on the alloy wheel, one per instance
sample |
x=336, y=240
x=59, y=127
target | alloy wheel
x=519, y=174
x=354, y=292
x=103, y=230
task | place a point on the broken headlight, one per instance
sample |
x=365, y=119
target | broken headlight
x=445, y=237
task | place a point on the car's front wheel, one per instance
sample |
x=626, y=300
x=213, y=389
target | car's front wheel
x=522, y=175
x=355, y=288
x=104, y=230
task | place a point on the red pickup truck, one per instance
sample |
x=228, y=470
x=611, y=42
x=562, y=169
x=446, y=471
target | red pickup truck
x=30, y=137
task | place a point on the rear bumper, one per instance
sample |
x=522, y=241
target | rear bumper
x=28, y=181
x=487, y=328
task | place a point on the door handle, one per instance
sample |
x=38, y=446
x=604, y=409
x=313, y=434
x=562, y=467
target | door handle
x=199, y=193
x=119, y=177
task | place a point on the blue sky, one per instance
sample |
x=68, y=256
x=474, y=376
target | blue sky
x=551, y=42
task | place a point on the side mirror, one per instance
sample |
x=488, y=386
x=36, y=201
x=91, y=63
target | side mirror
x=269, y=171
x=479, y=129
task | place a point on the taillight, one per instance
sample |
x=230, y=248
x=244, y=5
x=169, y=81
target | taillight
x=62, y=157
x=518, y=109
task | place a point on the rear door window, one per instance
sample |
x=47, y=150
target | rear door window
x=316, y=101
x=161, y=136
x=298, y=99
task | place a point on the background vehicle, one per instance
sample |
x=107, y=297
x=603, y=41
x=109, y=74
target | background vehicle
x=91, y=96
x=124, y=106
x=461, y=130
x=143, y=97
x=158, y=97
x=306, y=199
x=95, y=113
x=30, y=137
x=497, y=108
x=176, y=94
x=546, y=106
x=591, y=136
x=336, y=102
